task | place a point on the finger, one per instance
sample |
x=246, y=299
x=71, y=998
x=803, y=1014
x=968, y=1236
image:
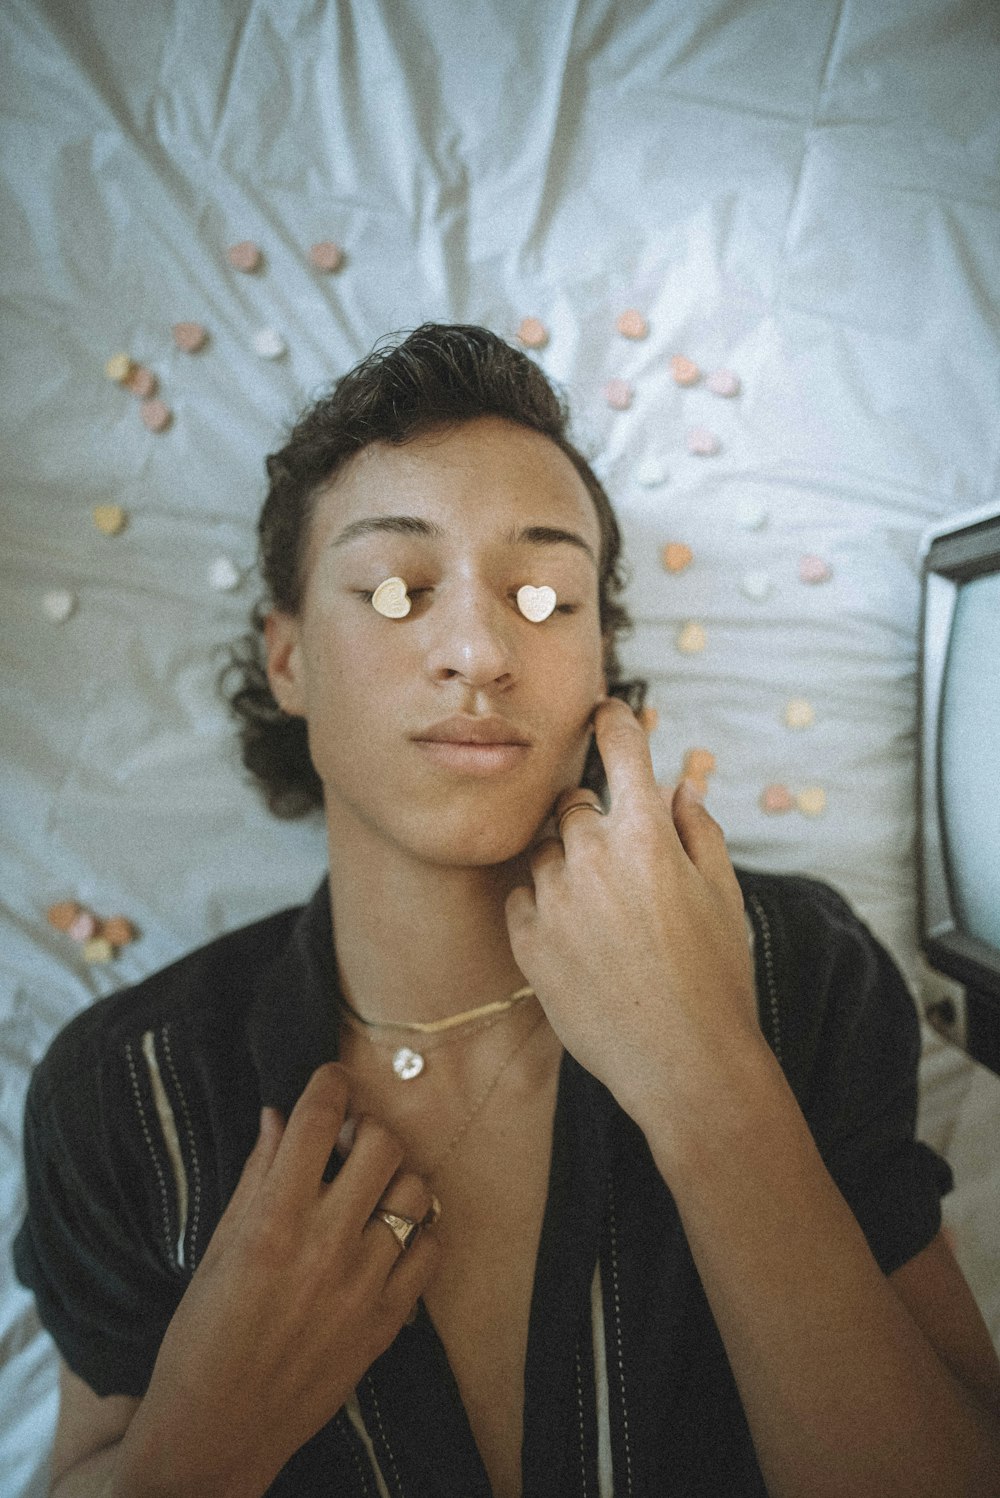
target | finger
x=364, y=1177
x=407, y=1195
x=254, y=1172
x=411, y=1274
x=310, y=1134
x=623, y=745
x=579, y=796
x=520, y=908
x=703, y=839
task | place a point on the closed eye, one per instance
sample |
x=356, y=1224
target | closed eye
x=415, y=592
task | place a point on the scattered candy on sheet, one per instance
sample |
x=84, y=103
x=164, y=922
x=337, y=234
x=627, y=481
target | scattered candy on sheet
x=110, y=519
x=756, y=585
x=812, y=801
x=141, y=381
x=326, y=255
x=799, y=713
x=245, y=256
x=59, y=604
x=618, y=394
x=224, y=575
x=98, y=949
x=118, y=930
x=699, y=764
x=775, y=799
x=703, y=443
x=156, y=415
x=269, y=344
x=532, y=333
x=778, y=798
x=675, y=556
x=83, y=926
x=723, y=382
x=62, y=914
x=814, y=570
x=632, y=324
x=650, y=473
x=190, y=337
x=751, y=515
x=691, y=638
x=100, y=940
x=684, y=371
x=118, y=368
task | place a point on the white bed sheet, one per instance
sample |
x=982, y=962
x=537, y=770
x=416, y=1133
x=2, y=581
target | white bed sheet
x=807, y=194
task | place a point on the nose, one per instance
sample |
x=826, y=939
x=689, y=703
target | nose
x=471, y=633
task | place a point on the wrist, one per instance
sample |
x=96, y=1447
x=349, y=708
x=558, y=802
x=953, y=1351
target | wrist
x=711, y=1108
x=154, y=1462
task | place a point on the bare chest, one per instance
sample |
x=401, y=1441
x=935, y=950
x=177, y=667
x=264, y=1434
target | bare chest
x=480, y=1298
x=492, y=1185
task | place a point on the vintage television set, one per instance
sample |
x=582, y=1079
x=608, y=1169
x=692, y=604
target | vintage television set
x=958, y=778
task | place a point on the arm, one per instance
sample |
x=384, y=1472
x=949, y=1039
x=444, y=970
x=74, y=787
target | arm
x=297, y=1295
x=88, y=1435
x=853, y=1385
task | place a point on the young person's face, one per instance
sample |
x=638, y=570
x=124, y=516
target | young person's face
x=368, y=684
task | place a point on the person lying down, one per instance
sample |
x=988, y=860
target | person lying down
x=542, y=1152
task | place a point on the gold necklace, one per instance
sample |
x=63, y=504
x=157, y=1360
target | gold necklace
x=481, y=1101
x=408, y=1063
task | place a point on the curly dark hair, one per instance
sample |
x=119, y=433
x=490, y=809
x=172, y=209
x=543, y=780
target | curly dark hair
x=437, y=376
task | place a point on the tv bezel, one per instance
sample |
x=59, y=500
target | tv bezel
x=952, y=553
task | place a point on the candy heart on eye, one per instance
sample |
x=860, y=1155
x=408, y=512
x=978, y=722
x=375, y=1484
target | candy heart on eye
x=390, y=598
x=536, y=604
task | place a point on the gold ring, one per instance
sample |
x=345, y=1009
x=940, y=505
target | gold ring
x=579, y=806
x=403, y=1229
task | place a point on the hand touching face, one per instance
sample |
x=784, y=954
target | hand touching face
x=634, y=936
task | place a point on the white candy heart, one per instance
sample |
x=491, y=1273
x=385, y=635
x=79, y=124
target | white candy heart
x=224, y=575
x=59, y=604
x=390, y=598
x=536, y=604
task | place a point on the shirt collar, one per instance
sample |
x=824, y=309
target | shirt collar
x=292, y=1026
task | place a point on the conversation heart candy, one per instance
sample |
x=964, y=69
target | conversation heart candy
x=536, y=603
x=390, y=598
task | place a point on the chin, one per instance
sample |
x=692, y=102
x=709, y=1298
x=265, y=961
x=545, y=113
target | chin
x=477, y=842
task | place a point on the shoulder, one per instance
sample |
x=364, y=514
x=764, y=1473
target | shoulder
x=141, y=1112
x=206, y=994
x=827, y=986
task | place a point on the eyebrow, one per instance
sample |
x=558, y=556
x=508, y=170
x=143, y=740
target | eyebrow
x=416, y=525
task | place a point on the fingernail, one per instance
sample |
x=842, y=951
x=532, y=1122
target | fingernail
x=691, y=791
x=345, y=1139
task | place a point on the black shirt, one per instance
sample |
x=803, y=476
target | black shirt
x=142, y=1113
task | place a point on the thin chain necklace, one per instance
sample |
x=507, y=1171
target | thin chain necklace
x=482, y=1100
x=408, y=1063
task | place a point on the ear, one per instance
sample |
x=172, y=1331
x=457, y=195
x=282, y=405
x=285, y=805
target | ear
x=283, y=648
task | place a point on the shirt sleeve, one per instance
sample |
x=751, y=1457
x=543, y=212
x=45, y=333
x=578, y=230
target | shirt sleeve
x=104, y=1288
x=861, y=1099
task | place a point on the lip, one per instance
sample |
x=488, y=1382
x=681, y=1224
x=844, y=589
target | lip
x=473, y=759
x=463, y=729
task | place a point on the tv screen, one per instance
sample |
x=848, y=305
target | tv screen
x=959, y=767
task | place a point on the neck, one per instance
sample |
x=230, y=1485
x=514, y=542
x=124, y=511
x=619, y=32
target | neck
x=417, y=941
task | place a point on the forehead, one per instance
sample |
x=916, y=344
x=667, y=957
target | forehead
x=484, y=479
